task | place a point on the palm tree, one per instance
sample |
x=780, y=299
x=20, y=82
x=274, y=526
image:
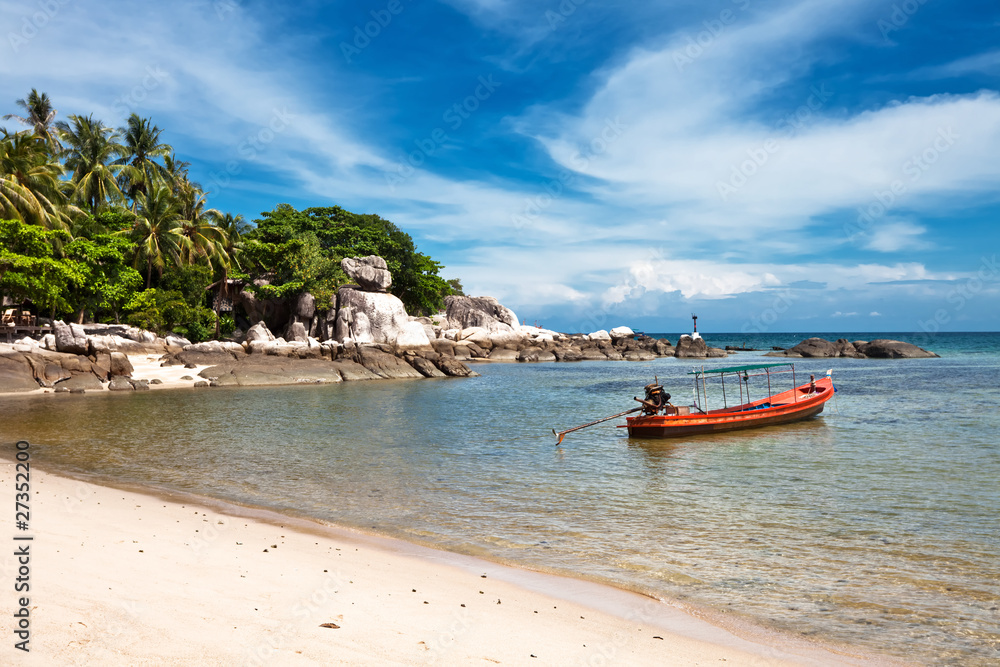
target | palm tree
x=91, y=146
x=156, y=230
x=140, y=172
x=39, y=118
x=231, y=229
x=30, y=187
x=177, y=172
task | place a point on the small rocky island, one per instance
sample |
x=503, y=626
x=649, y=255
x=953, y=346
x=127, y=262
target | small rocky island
x=880, y=348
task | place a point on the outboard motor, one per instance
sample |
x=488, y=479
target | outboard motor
x=656, y=399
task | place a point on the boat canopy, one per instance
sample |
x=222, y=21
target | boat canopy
x=736, y=369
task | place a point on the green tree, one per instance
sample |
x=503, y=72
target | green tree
x=140, y=172
x=39, y=117
x=108, y=281
x=91, y=147
x=155, y=232
x=30, y=270
x=340, y=233
x=30, y=188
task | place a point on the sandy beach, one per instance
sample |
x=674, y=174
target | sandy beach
x=121, y=577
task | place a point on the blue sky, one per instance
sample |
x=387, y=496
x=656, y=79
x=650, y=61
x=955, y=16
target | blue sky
x=793, y=165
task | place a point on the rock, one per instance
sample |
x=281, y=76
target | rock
x=500, y=322
x=569, y=353
x=120, y=365
x=426, y=367
x=120, y=383
x=443, y=346
x=305, y=307
x=815, y=347
x=413, y=335
x=376, y=318
x=599, y=335
x=593, y=354
x=385, y=365
x=454, y=368
x=16, y=373
x=621, y=332
x=201, y=383
x=503, y=354
x=70, y=338
x=173, y=340
x=259, y=332
x=639, y=355
x=296, y=331
x=691, y=348
x=883, y=348
x=663, y=348
x=140, y=385
x=371, y=272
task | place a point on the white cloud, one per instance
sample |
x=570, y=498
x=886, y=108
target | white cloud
x=896, y=236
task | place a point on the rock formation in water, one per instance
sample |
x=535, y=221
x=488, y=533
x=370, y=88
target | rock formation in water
x=877, y=349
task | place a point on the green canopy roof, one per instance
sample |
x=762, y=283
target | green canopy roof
x=735, y=369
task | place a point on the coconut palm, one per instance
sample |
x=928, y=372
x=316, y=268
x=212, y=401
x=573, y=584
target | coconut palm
x=156, y=230
x=177, y=172
x=231, y=229
x=30, y=187
x=141, y=146
x=199, y=239
x=91, y=147
x=40, y=115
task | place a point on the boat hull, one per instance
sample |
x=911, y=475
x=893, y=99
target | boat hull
x=791, y=406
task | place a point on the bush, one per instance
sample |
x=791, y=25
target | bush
x=162, y=311
x=227, y=325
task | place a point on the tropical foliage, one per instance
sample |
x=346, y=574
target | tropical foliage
x=106, y=224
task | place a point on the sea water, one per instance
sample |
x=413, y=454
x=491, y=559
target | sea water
x=874, y=525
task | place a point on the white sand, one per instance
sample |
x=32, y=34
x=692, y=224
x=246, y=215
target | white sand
x=126, y=578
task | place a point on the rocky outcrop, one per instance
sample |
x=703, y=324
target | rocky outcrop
x=696, y=348
x=370, y=273
x=482, y=312
x=892, y=349
x=373, y=318
x=876, y=349
x=70, y=338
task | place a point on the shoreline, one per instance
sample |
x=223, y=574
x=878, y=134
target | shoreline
x=556, y=618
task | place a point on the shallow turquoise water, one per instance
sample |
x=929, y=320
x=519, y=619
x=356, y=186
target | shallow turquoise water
x=873, y=525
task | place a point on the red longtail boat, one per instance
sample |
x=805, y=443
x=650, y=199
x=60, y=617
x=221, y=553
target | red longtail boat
x=660, y=419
